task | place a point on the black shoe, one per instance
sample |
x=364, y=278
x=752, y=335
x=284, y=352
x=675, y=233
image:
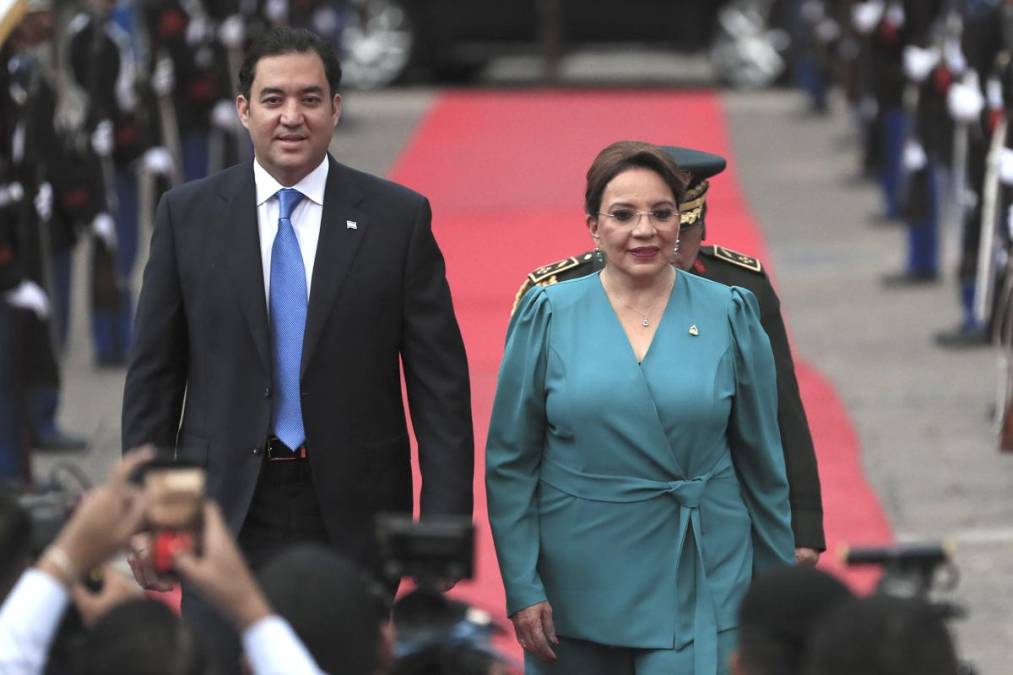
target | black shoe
x=906, y=279
x=962, y=337
x=61, y=442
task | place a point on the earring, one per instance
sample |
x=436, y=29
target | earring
x=675, y=249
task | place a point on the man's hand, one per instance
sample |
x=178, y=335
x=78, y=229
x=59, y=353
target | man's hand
x=535, y=630
x=101, y=525
x=116, y=589
x=139, y=558
x=222, y=575
x=806, y=557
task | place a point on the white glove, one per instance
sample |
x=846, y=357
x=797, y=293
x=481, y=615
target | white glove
x=197, y=31
x=44, y=201
x=158, y=160
x=163, y=80
x=326, y=21
x=224, y=115
x=965, y=100
x=29, y=295
x=918, y=62
x=953, y=55
x=232, y=32
x=11, y=193
x=1006, y=166
x=914, y=156
x=102, y=139
x=865, y=16
x=276, y=11
x=104, y=228
x=993, y=93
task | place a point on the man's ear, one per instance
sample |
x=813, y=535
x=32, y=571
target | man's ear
x=336, y=105
x=243, y=108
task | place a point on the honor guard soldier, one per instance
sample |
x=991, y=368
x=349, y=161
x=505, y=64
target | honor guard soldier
x=732, y=268
x=35, y=222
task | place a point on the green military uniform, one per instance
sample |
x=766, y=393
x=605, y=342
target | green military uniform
x=736, y=269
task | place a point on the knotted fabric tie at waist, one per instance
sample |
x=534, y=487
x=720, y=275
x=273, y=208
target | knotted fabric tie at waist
x=687, y=493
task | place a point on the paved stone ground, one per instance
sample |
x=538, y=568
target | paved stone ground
x=921, y=413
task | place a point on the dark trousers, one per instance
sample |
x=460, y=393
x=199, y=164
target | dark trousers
x=284, y=512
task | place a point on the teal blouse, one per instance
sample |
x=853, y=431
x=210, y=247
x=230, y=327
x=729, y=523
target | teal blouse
x=637, y=498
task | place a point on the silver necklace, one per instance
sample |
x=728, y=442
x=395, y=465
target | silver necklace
x=645, y=316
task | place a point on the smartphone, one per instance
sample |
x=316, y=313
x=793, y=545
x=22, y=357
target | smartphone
x=175, y=492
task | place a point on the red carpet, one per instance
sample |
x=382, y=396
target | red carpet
x=505, y=175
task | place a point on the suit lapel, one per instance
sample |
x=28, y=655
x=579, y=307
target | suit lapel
x=342, y=227
x=246, y=268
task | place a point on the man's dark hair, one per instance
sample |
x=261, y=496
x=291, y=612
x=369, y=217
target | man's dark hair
x=286, y=40
x=142, y=637
x=328, y=603
x=15, y=542
x=882, y=635
x=777, y=616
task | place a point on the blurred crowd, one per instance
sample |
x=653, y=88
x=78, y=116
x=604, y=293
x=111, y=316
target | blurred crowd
x=928, y=83
x=67, y=608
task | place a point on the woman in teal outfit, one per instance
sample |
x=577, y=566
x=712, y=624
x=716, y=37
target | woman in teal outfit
x=635, y=476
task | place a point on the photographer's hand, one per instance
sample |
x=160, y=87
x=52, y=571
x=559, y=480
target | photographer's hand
x=100, y=526
x=535, y=630
x=222, y=575
x=116, y=589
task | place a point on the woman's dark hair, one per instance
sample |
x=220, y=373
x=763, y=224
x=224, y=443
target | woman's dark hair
x=623, y=155
x=285, y=40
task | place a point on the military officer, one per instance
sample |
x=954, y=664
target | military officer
x=732, y=268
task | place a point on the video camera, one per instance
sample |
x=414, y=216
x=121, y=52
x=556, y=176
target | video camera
x=914, y=570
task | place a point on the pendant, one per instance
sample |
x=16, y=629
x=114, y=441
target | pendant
x=645, y=323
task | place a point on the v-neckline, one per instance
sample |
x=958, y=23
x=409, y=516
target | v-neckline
x=622, y=330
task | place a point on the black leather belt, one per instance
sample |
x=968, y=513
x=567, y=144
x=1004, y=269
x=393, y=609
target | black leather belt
x=279, y=452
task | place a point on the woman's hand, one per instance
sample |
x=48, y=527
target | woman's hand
x=535, y=631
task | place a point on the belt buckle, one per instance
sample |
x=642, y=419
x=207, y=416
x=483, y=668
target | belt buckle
x=279, y=452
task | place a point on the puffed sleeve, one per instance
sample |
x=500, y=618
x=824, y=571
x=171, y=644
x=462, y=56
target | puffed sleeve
x=514, y=451
x=754, y=437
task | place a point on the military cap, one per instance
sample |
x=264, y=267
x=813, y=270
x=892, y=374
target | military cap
x=700, y=166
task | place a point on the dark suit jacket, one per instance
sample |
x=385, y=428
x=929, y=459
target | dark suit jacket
x=378, y=298
x=734, y=269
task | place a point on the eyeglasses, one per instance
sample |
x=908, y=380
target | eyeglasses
x=631, y=217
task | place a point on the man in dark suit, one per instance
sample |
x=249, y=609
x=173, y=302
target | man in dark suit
x=279, y=301
x=734, y=269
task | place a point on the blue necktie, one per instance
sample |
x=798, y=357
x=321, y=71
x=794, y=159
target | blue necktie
x=288, y=322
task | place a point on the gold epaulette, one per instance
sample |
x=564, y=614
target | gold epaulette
x=546, y=275
x=733, y=257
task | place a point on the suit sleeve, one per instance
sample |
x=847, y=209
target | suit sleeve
x=755, y=439
x=436, y=377
x=156, y=378
x=799, y=454
x=513, y=451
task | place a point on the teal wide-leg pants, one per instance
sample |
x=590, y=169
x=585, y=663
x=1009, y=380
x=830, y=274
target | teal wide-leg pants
x=579, y=657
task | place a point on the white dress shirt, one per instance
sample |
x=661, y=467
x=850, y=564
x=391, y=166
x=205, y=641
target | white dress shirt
x=32, y=612
x=305, y=218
